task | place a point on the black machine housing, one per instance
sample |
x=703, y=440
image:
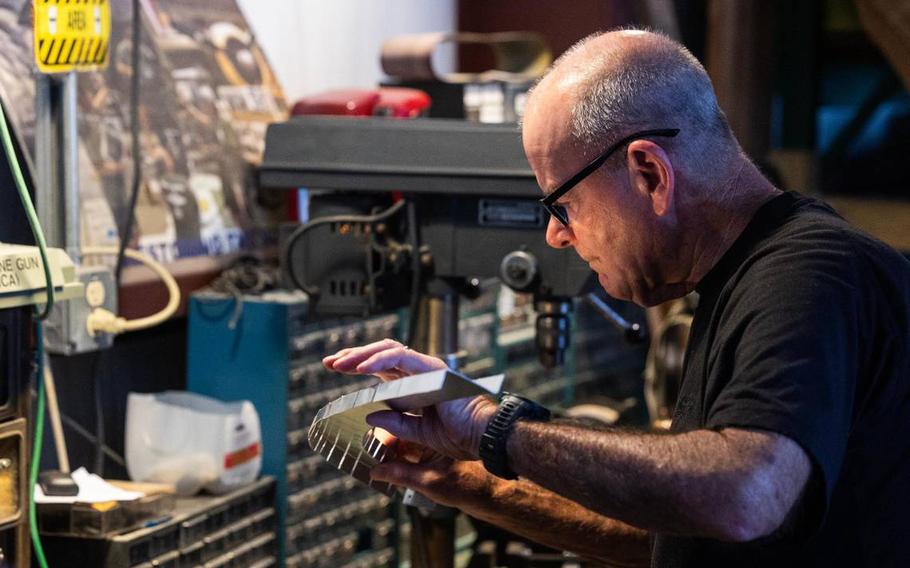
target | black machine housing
x=469, y=211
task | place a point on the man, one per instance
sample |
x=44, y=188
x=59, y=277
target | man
x=790, y=444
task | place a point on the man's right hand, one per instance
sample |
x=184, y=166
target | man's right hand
x=386, y=359
x=452, y=429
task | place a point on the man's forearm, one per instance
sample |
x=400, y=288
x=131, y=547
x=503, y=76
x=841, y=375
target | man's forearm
x=702, y=483
x=538, y=514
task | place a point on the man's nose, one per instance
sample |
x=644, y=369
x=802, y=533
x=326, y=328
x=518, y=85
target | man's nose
x=558, y=235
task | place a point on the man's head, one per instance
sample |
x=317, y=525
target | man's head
x=628, y=218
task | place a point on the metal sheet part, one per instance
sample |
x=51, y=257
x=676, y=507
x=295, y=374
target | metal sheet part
x=342, y=436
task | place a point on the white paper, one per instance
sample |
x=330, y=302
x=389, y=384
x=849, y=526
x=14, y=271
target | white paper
x=92, y=489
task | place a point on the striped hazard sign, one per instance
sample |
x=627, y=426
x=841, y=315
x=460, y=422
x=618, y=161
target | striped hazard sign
x=71, y=34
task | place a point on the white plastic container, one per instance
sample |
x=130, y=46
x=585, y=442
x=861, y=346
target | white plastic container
x=192, y=441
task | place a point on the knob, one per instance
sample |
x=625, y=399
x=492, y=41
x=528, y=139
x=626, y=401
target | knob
x=519, y=270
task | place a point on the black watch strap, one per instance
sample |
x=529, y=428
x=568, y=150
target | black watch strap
x=493, y=442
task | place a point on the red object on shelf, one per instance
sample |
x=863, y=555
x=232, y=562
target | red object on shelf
x=394, y=102
x=346, y=102
x=401, y=102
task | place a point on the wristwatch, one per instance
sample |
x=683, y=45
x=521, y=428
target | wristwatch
x=493, y=442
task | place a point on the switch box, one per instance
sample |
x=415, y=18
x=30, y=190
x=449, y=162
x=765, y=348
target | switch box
x=66, y=332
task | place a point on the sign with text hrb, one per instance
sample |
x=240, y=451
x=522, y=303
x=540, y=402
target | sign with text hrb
x=71, y=34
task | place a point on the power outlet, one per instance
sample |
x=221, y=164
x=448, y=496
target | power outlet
x=66, y=332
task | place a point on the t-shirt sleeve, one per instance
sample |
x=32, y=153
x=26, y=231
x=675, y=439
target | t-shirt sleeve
x=788, y=359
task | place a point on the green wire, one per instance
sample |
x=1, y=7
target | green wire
x=29, y=211
x=36, y=452
x=42, y=247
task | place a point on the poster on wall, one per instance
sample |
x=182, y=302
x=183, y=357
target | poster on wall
x=207, y=95
x=17, y=84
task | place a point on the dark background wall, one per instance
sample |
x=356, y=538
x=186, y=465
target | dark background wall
x=561, y=23
x=144, y=361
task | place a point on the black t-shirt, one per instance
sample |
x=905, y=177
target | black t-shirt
x=803, y=329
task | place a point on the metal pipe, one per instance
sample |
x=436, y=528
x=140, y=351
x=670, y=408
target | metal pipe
x=433, y=533
x=442, y=327
x=47, y=173
x=71, y=164
x=632, y=332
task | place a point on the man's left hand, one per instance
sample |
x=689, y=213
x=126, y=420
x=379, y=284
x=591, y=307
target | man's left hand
x=451, y=428
x=449, y=482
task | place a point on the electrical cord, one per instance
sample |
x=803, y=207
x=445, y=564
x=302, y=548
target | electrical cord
x=58, y=418
x=103, y=320
x=29, y=212
x=414, y=304
x=36, y=449
x=310, y=225
x=247, y=275
x=135, y=81
x=136, y=182
x=99, y=416
x=79, y=429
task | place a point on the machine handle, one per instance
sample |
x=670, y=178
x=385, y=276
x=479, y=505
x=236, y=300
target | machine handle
x=632, y=332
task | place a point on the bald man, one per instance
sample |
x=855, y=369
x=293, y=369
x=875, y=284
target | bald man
x=790, y=443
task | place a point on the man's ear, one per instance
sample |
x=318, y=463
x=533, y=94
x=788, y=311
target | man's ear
x=651, y=175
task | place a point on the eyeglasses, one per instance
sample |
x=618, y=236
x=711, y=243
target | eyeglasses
x=549, y=200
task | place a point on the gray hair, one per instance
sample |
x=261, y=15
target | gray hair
x=653, y=84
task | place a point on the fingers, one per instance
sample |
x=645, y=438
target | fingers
x=384, y=437
x=403, y=426
x=447, y=482
x=329, y=360
x=423, y=477
x=401, y=358
x=404, y=474
x=347, y=360
x=414, y=453
x=387, y=359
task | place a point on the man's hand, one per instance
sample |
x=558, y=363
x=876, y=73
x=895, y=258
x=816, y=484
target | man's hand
x=449, y=482
x=452, y=429
x=386, y=359
x=520, y=506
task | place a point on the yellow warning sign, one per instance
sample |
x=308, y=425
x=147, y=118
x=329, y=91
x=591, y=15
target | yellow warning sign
x=71, y=34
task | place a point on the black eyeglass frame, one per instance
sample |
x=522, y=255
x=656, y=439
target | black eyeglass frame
x=548, y=201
